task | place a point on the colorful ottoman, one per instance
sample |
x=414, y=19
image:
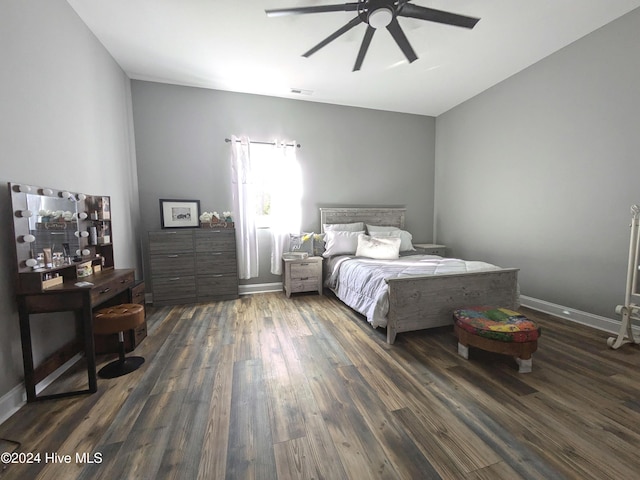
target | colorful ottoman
x=497, y=330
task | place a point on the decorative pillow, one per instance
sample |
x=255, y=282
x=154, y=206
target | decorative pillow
x=302, y=242
x=345, y=227
x=378, y=248
x=318, y=244
x=380, y=232
x=338, y=242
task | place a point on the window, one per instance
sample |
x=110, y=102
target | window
x=267, y=192
x=272, y=176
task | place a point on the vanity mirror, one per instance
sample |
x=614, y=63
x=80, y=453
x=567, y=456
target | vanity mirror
x=54, y=231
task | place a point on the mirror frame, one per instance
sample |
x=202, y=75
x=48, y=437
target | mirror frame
x=21, y=228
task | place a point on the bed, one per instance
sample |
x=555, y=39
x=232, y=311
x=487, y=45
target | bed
x=415, y=292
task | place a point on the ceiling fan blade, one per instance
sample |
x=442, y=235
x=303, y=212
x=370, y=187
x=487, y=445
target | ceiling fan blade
x=432, y=15
x=366, y=41
x=279, y=12
x=400, y=38
x=333, y=36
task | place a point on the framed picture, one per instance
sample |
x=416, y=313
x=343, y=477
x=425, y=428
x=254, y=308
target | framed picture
x=179, y=213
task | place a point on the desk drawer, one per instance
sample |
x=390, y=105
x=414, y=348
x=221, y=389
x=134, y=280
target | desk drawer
x=110, y=344
x=110, y=289
x=137, y=293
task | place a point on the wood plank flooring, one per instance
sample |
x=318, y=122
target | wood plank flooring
x=266, y=387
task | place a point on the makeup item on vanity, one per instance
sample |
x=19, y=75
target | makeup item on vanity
x=48, y=259
x=93, y=236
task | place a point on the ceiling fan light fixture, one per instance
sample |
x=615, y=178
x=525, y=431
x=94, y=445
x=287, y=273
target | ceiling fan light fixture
x=380, y=17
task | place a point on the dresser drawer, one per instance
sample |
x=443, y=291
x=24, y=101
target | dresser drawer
x=174, y=264
x=112, y=288
x=217, y=286
x=216, y=262
x=174, y=289
x=215, y=241
x=170, y=241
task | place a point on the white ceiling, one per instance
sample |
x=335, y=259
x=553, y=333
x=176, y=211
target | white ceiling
x=233, y=45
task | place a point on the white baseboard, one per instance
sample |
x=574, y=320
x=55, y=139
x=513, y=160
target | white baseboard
x=16, y=398
x=248, y=289
x=259, y=288
x=609, y=325
x=12, y=401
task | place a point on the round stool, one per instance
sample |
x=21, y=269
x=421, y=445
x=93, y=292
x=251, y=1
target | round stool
x=117, y=319
x=497, y=330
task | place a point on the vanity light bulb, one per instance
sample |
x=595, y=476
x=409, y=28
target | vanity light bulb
x=81, y=196
x=25, y=213
x=78, y=252
x=28, y=238
x=47, y=191
x=82, y=215
x=86, y=251
x=84, y=234
x=65, y=194
x=77, y=234
x=31, y=262
x=24, y=188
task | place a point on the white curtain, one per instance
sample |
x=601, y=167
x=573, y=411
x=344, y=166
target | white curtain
x=286, y=209
x=244, y=207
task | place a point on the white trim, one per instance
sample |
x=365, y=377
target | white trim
x=259, y=288
x=16, y=398
x=12, y=401
x=606, y=324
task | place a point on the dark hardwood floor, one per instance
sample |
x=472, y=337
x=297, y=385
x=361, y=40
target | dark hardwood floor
x=266, y=387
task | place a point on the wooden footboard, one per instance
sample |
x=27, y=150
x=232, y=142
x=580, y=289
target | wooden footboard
x=416, y=303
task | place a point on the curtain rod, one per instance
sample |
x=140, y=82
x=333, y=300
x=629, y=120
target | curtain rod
x=228, y=140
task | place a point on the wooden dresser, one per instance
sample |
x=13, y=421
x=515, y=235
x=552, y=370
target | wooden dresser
x=193, y=265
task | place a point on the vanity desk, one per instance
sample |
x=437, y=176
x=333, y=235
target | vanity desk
x=110, y=286
x=64, y=259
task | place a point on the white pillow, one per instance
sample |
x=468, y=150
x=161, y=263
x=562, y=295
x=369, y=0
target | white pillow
x=378, y=248
x=403, y=235
x=338, y=242
x=345, y=227
x=380, y=228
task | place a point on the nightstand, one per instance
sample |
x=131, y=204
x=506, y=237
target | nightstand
x=303, y=275
x=431, y=249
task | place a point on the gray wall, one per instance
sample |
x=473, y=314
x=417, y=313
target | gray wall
x=66, y=123
x=540, y=171
x=349, y=156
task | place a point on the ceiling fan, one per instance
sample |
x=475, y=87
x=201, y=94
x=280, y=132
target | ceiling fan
x=378, y=14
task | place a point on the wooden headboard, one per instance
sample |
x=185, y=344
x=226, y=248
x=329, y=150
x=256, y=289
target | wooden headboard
x=389, y=216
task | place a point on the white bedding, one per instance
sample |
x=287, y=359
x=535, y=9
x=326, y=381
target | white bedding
x=361, y=282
